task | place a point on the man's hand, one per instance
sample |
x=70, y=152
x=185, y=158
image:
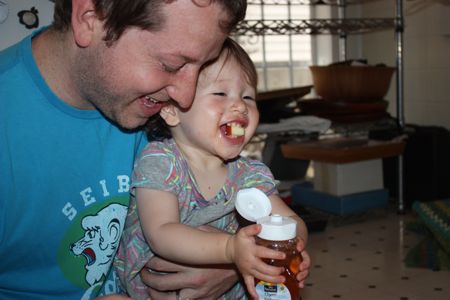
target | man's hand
x=193, y=283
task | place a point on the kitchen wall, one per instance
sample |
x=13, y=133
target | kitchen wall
x=426, y=57
x=11, y=30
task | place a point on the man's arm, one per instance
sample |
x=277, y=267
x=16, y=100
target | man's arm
x=193, y=283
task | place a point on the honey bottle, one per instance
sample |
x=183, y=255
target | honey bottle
x=278, y=233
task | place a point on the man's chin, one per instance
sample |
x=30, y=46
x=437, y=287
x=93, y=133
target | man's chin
x=132, y=127
x=131, y=124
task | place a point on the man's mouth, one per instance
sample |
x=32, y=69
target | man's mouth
x=150, y=106
x=150, y=101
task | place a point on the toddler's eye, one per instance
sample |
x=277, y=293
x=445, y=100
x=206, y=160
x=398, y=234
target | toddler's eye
x=219, y=94
x=249, y=98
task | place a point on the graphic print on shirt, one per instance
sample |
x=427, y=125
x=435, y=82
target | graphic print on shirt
x=86, y=252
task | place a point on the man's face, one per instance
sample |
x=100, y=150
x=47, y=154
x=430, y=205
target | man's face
x=130, y=80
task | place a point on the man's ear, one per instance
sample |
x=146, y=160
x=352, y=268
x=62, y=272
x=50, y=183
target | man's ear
x=170, y=114
x=84, y=20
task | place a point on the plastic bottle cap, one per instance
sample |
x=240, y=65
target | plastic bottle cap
x=277, y=228
x=253, y=204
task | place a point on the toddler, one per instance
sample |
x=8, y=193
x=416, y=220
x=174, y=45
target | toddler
x=190, y=177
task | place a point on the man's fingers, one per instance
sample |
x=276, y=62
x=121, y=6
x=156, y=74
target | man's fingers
x=164, y=282
x=164, y=266
x=154, y=294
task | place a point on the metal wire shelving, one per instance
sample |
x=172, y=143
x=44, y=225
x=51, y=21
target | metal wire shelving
x=342, y=27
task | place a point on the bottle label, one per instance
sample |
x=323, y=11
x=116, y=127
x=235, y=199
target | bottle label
x=269, y=291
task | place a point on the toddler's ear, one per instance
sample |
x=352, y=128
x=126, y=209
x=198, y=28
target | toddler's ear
x=170, y=114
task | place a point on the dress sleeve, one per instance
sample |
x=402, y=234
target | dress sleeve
x=258, y=175
x=156, y=169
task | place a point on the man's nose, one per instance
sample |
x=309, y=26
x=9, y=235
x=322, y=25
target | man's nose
x=182, y=89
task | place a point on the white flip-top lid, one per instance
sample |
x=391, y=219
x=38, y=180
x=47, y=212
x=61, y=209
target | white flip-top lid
x=255, y=206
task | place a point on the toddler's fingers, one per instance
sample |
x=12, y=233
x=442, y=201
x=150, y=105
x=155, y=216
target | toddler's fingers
x=300, y=245
x=260, y=267
x=267, y=253
x=267, y=277
x=301, y=277
x=306, y=261
x=250, y=230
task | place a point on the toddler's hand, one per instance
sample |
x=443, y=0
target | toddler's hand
x=247, y=255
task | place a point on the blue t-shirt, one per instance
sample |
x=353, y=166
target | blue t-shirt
x=64, y=188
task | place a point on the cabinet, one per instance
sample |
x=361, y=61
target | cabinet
x=341, y=26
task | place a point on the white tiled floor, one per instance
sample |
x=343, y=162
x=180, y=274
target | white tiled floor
x=361, y=257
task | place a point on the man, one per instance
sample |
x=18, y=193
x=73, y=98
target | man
x=72, y=97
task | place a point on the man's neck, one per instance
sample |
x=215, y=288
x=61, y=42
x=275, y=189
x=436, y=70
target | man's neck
x=53, y=54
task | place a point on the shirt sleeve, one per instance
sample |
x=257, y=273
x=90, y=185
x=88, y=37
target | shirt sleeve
x=156, y=169
x=258, y=175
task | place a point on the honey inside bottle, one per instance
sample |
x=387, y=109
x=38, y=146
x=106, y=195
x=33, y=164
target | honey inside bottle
x=291, y=268
x=278, y=233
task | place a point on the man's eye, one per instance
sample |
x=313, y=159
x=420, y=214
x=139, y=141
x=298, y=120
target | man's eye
x=171, y=69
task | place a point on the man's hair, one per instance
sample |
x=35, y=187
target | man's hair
x=118, y=15
x=157, y=129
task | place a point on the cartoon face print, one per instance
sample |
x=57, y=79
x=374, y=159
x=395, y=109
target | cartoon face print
x=100, y=241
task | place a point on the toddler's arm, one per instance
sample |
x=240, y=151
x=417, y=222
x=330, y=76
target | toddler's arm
x=159, y=216
x=281, y=208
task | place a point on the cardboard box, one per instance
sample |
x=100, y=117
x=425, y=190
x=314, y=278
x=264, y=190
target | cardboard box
x=349, y=178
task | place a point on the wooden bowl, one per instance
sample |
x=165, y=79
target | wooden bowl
x=273, y=105
x=351, y=83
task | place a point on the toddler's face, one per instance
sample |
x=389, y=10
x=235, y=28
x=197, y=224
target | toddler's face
x=224, y=115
